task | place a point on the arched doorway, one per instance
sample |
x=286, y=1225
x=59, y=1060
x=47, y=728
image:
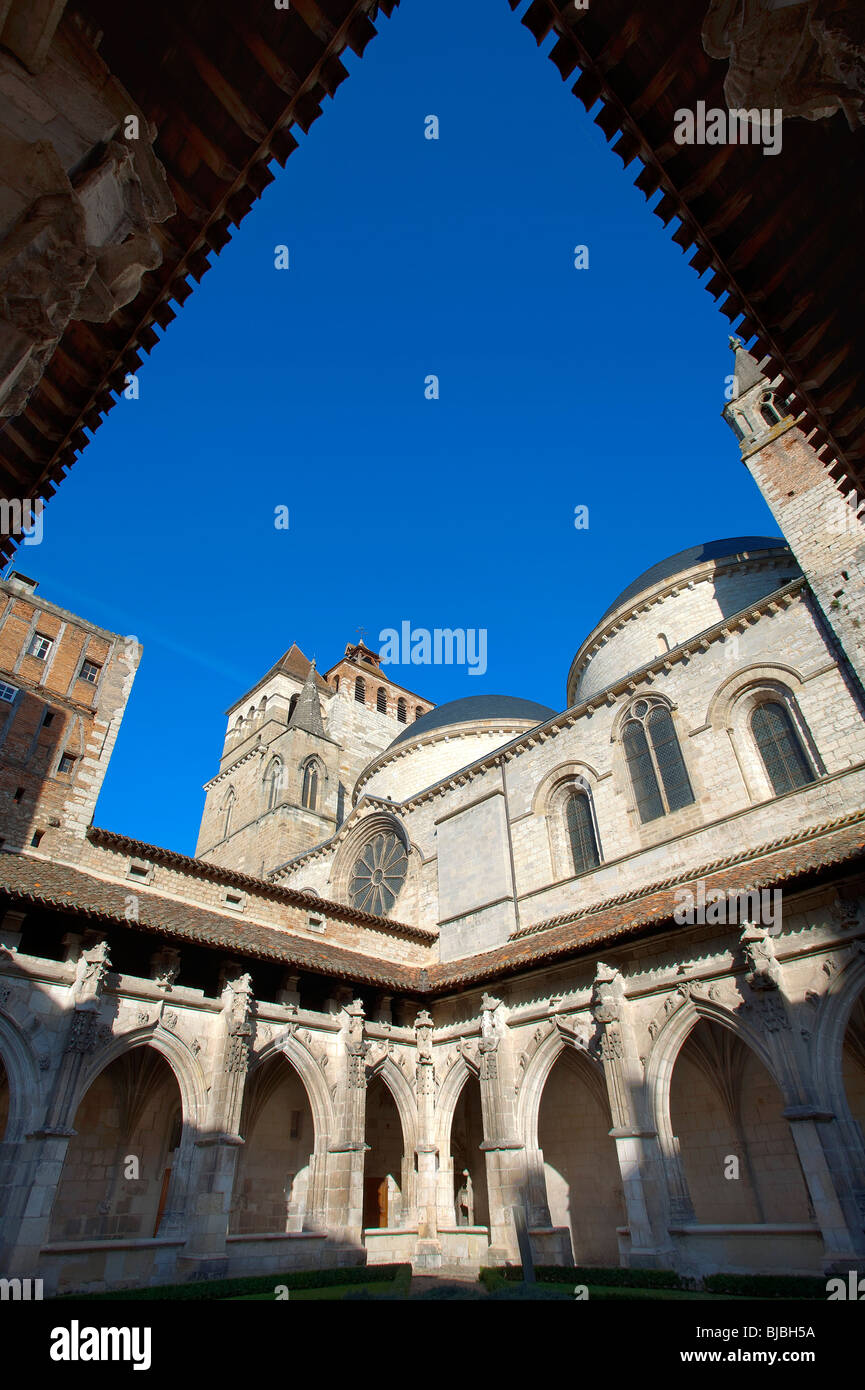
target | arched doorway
x=737, y=1151
x=271, y=1188
x=581, y=1167
x=467, y=1135
x=853, y=1063
x=385, y=1177
x=118, y=1164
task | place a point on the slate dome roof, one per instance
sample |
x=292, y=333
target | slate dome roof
x=489, y=708
x=693, y=555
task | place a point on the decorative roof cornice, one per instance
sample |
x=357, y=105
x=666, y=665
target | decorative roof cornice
x=256, y=751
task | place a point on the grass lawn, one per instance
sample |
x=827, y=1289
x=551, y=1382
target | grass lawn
x=399, y=1289
x=394, y=1288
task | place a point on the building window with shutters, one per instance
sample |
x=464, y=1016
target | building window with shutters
x=655, y=763
x=581, y=832
x=359, y=690
x=784, y=758
x=381, y=700
x=401, y=711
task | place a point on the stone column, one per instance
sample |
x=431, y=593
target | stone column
x=428, y=1250
x=843, y=1247
x=213, y=1169
x=38, y=1160
x=636, y=1142
x=345, y=1161
x=507, y=1179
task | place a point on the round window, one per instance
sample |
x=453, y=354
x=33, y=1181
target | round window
x=379, y=874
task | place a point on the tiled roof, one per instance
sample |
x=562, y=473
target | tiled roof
x=570, y=935
x=792, y=860
x=69, y=889
x=215, y=873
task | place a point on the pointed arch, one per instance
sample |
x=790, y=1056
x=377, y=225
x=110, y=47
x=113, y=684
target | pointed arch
x=535, y=1078
x=273, y=782
x=226, y=812
x=845, y=986
x=26, y=1098
x=448, y=1098
x=188, y=1072
x=403, y=1097
x=307, y=1067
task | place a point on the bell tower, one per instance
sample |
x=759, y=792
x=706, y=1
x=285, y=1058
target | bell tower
x=818, y=515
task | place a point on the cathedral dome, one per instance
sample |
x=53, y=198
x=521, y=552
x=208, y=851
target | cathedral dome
x=446, y=739
x=673, y=601
x=476, y=707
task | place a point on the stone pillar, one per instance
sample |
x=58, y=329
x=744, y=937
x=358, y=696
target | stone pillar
x=345, y=1162
x=428, y=1250
x=211, y=1172
x=507, y=1179
x=840, y=1253
x=843, y=1246
x=38, y=1160
x=636, y=1142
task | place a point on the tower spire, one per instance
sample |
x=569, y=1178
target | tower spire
x=307, y=712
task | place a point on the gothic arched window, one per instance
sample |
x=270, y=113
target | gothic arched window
x=780, y=747
x=227, y=811
x=658, y=773
x=359, y=690
x=378, y=874
x=273, y=780
x=401, y=711
x=381, y=700
x=581, y=833
x=768, y=410
x=309, y=794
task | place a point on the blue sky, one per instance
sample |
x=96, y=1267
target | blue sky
x=305, y=389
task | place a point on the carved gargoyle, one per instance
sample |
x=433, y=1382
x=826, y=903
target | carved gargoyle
x=803, y=57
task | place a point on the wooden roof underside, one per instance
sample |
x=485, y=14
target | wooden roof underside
x=225, y=84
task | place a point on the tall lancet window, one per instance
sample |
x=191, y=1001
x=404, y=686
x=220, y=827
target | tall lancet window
x=309, y=795
x=658, y=773
x=784, y=758
x=581, y=833
x=227, y=813
x=273, y=782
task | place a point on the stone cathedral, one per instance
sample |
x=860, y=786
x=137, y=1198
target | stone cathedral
x=439, y=974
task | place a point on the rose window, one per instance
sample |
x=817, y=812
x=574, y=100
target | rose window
x=379, y=874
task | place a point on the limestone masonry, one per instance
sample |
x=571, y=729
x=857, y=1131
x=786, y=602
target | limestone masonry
x=434, y=967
